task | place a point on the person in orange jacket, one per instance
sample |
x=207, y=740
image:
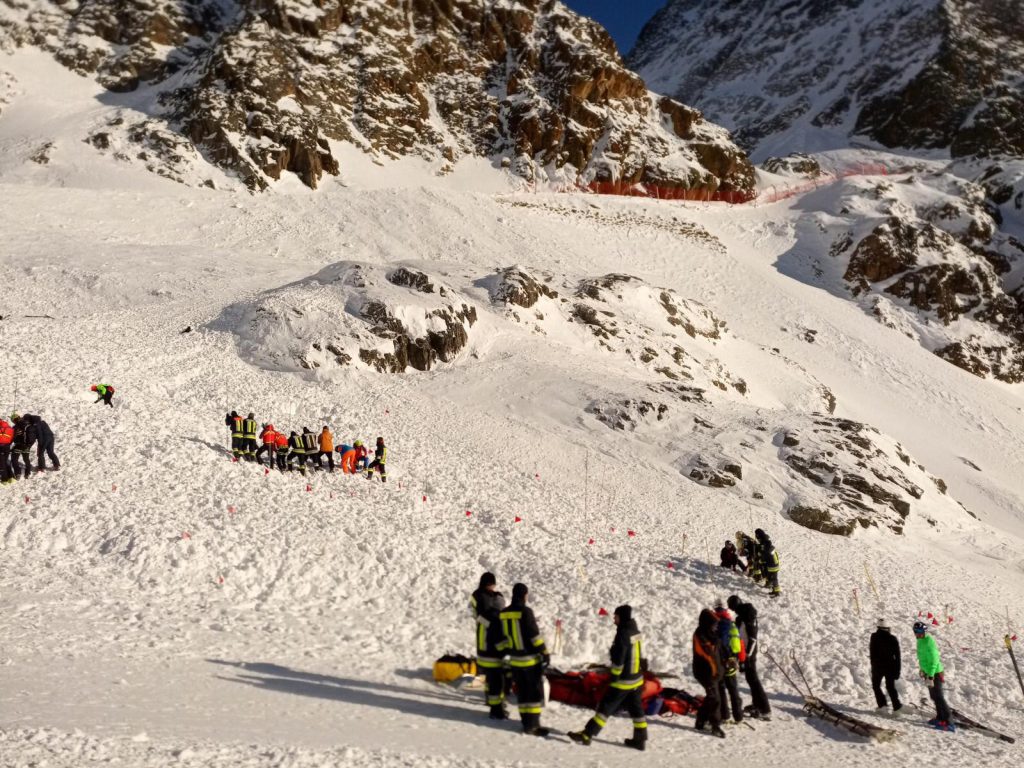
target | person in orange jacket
x=268, y=440
x=348, y=459
x=281, y=448
x=6, y=439
x=326, y=449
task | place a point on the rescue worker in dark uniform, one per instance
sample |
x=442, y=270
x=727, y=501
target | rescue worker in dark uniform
x=45, y=445
x=528, y=657
x=707, y=668
x=249, y=437
x=296, y=453
x=25, y=436
x=380, y=459
x=885, y=665
x=748, y=548
x=487, y=603
x=234, y=422
x=626, y=686
x=746, y=623
x=769, y=562
x=311, y=446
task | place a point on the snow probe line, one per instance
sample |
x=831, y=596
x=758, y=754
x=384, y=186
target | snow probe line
x=800, y=671
x=1009, y=647
x=785, y=674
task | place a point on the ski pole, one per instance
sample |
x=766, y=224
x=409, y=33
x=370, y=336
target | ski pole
x=785, y=674
x=1009, y=647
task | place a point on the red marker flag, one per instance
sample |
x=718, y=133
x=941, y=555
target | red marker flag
x=631, y=533
x=518, y=519
x=602, y=612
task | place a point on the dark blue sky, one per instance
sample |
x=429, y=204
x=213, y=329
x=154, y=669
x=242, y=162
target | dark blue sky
x=623, y=18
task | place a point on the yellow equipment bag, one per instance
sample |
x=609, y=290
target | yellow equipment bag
x=452, y=666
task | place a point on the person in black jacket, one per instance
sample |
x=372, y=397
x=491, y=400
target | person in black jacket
x=885, y=665
x=45, y=445
x=708, y=669
x=746, y=623
x=25, y=436
x=487, y=603
x=380, y=462
x=626, y=686
x=528, y=657
x=730, y=558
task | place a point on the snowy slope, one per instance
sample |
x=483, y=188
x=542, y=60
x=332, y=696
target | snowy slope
x=168, y=606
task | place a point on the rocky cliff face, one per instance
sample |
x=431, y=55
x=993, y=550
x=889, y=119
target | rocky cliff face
x=263, y=87
x=807, y=75
x=924, y=253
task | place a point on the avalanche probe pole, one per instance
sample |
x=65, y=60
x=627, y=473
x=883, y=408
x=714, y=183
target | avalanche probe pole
x=1013, y=658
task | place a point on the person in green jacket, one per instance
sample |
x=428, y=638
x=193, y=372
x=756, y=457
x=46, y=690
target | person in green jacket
x=105, y=393
x=931, y=670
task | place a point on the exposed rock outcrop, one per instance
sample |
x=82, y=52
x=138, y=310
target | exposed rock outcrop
x=263, y=87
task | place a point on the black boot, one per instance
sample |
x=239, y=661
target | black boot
x=636, y=743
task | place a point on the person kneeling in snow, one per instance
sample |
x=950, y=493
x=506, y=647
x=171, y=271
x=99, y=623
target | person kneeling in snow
x=626, y=685
x=730, y=559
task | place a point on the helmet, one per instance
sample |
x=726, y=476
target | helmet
x=920, y=627
x=733, y=602
x=380, y=441
x=92, y=388
x=251, y=415
x=358, y=443
x=719, y=604
x=270, y=426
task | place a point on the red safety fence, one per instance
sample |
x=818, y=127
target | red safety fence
x=628, y=189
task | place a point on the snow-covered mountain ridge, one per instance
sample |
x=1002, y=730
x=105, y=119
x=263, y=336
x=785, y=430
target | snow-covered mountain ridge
x=262, y=88
x=812, y=75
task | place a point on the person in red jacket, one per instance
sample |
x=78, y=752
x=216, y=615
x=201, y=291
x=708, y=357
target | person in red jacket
x=6, y=439
x=268, y=440
x=281, y=446
x=361, y=456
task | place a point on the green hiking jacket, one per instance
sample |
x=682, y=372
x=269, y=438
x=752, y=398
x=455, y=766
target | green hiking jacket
x=928, y=656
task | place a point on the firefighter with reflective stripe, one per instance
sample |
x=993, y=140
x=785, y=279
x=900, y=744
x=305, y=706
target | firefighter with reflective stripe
x=487, y=603
x=6, y=441
x=626, y=686
x=528, y=657
x=281, y=446
x=380, y=459
x=748, y=548
x=296, y=453
x=268, y=440
x=731, y=647
x=234, y=422
x=769, y=562
x=249, y=436
x=311, y=445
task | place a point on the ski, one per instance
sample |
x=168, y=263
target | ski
x=963, y=721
